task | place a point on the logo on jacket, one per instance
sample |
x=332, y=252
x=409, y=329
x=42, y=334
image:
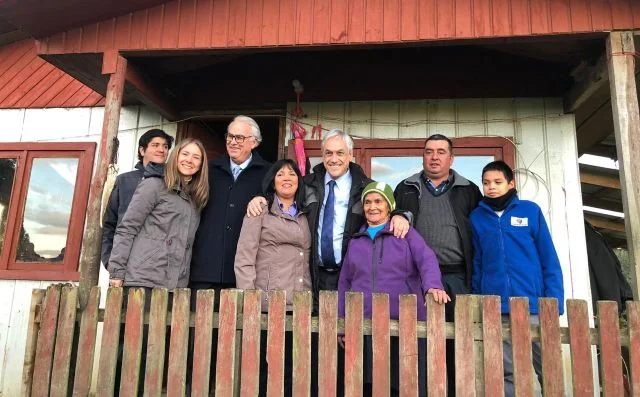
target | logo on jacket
x=515, y=221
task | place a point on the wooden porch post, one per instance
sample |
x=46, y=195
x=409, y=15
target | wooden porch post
x=116, y=66
x=626, y=120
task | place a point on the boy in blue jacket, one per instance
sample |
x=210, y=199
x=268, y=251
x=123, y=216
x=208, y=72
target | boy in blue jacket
x=513, y=254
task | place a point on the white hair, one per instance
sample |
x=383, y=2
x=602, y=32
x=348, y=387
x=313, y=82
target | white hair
x=338, y=132
x=255, y=129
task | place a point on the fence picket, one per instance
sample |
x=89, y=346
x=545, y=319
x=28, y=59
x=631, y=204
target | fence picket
x=633, y=322
x=275, y=343
x=109, y=343
x=465, y=356
x=436, y=346
x=46, y=342
x=86, y=344
x=327, y=343
x=552, y=369
x=408, y=346
x=33, y=328
x=250, y=379
x=179, y=343
x=492, y=338
x=380, y=334
x=132, y=353
x=521, y=346
x=203, y=340
x=610, y=351
x=226, y=355
x=64, y=341
x=580, y=343
x=156, y=343
x=353, y=344
x=302, y=343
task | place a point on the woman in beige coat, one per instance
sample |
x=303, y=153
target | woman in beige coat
x=273, y=250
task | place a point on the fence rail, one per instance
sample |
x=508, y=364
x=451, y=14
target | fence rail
x=61, y=344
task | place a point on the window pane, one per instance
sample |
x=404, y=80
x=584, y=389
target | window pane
x=43, y=236
x=392, y=170
x=7, y=174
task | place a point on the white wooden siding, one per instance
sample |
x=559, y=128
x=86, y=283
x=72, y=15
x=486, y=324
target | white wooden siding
x=57, y=125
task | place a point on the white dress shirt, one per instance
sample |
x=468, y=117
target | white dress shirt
x=342, y=192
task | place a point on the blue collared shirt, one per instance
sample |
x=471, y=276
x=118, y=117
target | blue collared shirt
x=441, y=188
x=292, y=210
x=342, y=191
x=242, y=166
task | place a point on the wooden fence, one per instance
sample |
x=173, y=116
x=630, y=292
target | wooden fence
x=61, y=344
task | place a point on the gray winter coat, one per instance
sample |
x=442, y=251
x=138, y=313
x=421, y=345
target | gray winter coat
x=152, y=243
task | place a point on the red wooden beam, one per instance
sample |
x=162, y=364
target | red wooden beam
x=92, y=239
x=145, y=91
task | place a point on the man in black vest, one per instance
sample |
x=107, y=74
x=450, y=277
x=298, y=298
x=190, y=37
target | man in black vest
x=441, y=201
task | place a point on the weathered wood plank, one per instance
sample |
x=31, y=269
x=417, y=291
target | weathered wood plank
x=521, y=346
x=132, y=351
x=552, y=369
x=302, y=301
x=109, y=343
x=179, y=344
x=203, y=340
x=250, y=379
x=46, y=342
x=610, y=352
x=226, y=357
x=465, y=356
x=492, y=339
x=436, y=347
x=621, y=61
x=275, y=343
x=64, y=341
x=37, y=298
x=408, y=346
x=327, y=345
x=633, y=321
x=353, y=367
x=156, y=343
x=580, y=347
x=380, y=335
x=86, y=344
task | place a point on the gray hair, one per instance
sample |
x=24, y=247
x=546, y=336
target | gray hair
x=338, y=132
x=255, y=129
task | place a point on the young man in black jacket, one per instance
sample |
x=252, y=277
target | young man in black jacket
x=153, y=146
x=441, y=201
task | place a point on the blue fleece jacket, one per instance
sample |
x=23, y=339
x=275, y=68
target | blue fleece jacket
x=514, y=255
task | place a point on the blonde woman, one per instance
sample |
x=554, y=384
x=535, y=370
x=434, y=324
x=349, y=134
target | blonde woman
x=152, y=244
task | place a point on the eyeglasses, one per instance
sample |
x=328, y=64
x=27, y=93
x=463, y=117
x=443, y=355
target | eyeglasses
x=238, y=138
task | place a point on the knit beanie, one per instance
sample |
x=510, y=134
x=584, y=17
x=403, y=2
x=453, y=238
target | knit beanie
x=384, y=190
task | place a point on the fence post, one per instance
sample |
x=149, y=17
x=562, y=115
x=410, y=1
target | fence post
x=37, y=297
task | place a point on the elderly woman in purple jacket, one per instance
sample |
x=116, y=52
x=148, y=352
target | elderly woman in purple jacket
x=376, y=261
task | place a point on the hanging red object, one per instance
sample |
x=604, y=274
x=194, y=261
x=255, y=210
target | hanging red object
x=301, y=158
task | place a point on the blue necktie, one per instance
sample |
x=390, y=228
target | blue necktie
x=236, y=171
x=326, y=239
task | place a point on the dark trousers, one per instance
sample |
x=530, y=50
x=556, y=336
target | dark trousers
x=454, y=284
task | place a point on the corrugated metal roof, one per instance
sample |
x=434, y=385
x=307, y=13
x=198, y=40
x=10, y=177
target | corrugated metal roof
x=27, y=81
x=191, y=24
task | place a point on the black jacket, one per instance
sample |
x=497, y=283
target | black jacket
x=464, y=196
x=314, y=196
x=605, y=272
x=119, y=200
x=214, y=249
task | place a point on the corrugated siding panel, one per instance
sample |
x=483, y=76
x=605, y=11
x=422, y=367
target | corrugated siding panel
x=27, y=81
x=187, y=24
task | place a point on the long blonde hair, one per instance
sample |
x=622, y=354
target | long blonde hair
x=198, y=187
